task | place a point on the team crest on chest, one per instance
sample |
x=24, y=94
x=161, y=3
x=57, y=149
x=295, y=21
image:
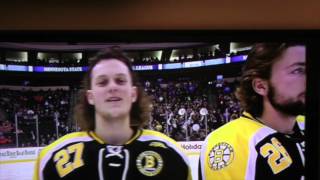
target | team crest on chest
x=149, y=163
x=220, y=156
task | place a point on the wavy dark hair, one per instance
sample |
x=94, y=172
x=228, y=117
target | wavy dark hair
x=84, y=113
x=259, y=64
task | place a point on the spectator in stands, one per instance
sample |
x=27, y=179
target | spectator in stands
x=168, y=97
x=26, y=103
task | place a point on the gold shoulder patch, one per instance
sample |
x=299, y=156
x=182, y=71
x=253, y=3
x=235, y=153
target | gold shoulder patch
x=220, y=156
x=149, y=163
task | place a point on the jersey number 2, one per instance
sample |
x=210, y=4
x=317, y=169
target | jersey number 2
x=62, y=159
x=278, y=157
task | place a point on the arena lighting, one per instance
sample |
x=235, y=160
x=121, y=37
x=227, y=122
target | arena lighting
x=167, y=66
x=238, y=58
x=17, y=68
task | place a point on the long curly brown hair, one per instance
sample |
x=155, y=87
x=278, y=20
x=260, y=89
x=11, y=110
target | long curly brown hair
x=84, y=113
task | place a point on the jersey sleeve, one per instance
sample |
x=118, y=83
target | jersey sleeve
x=54, y=160
x=44, y=167
x=226, y=151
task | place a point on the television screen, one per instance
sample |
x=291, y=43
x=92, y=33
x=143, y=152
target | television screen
x=185, y=73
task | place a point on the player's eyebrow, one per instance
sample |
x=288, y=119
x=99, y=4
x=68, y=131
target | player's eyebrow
x=120, y=75
x=297, y=64
x=105, y=76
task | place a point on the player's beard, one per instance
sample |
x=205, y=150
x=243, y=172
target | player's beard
x=289, y=106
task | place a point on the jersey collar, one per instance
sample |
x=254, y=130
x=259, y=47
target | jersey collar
x=101, y=141
x=296, y=128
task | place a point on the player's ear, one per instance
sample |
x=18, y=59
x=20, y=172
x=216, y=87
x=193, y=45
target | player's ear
x=260, y=86
x=89, y=97
x=134, y=94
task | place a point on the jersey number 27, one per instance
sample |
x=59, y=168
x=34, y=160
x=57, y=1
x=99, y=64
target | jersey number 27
x=62, y=159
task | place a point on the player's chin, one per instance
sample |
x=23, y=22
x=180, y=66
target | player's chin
x=118, y=112
x=302, y=100
x=302, y=96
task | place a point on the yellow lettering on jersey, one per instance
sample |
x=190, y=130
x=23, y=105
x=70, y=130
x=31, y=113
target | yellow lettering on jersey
x=78, y=150
x=62, y=159
x=273, y=151
x=218, y=156
x=149, y=162
x=63, y=165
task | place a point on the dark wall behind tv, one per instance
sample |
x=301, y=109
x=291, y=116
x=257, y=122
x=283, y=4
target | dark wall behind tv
x=165, y=14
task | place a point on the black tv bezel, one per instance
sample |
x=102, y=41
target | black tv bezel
x=309, y=37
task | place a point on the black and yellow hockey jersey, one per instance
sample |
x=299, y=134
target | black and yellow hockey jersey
x=247, y=149
x=83, y=155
